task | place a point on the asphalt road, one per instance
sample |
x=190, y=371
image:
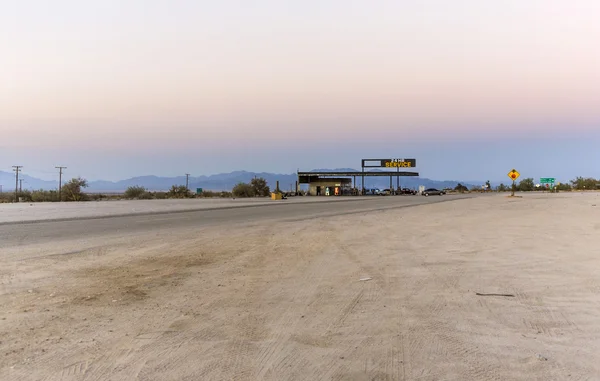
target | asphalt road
x=19, y=234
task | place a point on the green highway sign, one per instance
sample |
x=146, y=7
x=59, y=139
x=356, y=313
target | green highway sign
x=198, y=190
x=547, y=180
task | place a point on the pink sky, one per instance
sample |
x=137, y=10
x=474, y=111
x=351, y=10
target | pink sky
x=140, y=75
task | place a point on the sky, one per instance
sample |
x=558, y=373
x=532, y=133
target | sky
x=471, y=89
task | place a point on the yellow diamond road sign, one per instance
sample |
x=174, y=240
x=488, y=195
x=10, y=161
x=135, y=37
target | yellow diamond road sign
x=513, y=175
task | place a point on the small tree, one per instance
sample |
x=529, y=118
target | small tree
x=71, y=191
x=243, y=190
x=502, y=188
x=527, y=185
x=135, y=192
x=260, y=187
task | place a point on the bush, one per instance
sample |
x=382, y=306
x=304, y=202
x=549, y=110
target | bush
x=44, y=196
x=25, y=195
x=260, y=187
x=71, y=191
x=208, y=194
x=585, y=183
x=178, y=191
x=243, y=190
x=160, y=195
x=96, y=196
x=135, y=192
x=146, y=196
x=527, y=185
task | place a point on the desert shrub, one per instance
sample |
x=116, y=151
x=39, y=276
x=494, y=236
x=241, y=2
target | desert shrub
x=207, y=194
x=526, y=185
x=585, y=183
x=178, y=191
x=71, y=191
x=146, y=196
x=243, y=190
x=260, y=187
x=160, y=195
x=135, y=192
x=564, y=187
x=25, y=195
x=44, y=196
x=96, y=196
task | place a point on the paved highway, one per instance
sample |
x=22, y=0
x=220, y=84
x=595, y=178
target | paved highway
x=26, y=233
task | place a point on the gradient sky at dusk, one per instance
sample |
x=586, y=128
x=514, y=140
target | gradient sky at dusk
x=471, y=88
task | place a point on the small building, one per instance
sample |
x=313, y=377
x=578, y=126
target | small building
x=330, y=187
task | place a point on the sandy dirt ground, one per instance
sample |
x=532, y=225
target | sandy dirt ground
x=286, y=301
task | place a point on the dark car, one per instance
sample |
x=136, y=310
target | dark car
x=433, y=192
x=408, y=191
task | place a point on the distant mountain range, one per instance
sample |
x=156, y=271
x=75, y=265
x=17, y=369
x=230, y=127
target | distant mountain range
x=223, y=181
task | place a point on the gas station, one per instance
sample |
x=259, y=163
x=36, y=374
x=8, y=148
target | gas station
x=344, y=183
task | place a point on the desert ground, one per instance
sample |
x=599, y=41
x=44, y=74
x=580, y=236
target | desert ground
x=484, y=288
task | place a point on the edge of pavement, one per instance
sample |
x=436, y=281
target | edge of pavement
x=175, y=211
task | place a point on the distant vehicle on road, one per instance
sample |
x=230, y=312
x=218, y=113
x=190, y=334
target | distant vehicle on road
x=433, y=192
x=385, y=192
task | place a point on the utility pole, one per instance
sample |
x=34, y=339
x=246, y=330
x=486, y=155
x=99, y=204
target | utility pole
x=20, y=185
x=60, y=169
x=187, y=181
x=17, y=169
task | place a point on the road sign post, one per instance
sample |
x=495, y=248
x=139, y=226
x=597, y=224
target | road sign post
x=549, y=182
x=513, y=175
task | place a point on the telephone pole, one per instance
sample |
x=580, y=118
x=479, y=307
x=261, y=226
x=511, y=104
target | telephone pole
x=20, y=185
x=60, y=169
x=187, y=181
x=17, y=169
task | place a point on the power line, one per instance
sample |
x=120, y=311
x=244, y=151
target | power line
x=60, y=171
x=17, y=169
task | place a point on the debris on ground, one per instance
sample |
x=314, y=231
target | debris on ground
x=505, y=295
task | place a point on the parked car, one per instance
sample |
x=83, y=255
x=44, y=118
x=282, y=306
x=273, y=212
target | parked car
x=372, y=192
x=408, y=191
x=385, y=192
x=433, y=192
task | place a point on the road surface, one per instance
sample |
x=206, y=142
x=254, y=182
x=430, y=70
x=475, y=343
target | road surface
x=19, y=233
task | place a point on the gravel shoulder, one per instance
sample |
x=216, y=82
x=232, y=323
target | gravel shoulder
x=384, y=295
